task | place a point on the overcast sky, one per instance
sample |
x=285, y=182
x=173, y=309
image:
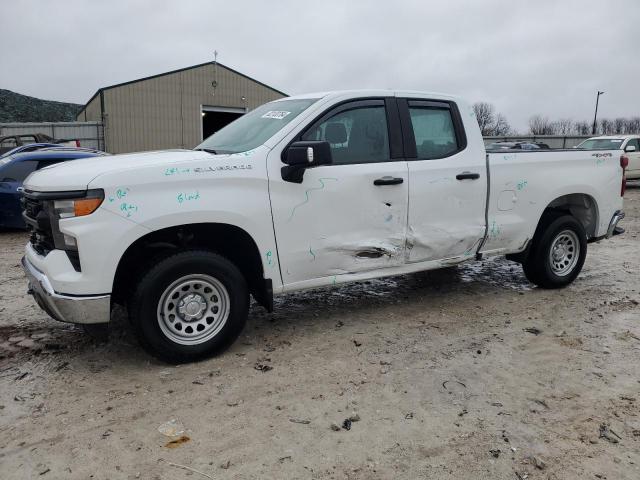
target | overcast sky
x=544, y=57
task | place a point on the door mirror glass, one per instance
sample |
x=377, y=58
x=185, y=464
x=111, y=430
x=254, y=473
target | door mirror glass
x=630, y=148
x=302, y=155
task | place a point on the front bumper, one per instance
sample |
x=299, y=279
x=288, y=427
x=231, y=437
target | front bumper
x=66, y=308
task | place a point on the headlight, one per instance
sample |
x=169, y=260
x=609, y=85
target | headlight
x=71, y=208
x=78, y=207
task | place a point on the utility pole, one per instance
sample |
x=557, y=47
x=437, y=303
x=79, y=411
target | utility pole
x=595, y=116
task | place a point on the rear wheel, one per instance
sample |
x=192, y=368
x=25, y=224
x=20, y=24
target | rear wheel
x=189, y=306
x=557, y=253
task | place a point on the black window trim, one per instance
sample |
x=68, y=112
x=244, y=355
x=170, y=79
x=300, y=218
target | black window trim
x=410, y=147
x=394, y=131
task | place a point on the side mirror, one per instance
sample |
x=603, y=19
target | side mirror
x=630, y=148
x=302, y=155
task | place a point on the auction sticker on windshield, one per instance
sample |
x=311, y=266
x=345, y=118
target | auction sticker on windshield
x=277, y=114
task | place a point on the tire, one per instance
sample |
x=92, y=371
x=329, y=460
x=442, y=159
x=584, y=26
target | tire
x=189, y=306
x=557, y=253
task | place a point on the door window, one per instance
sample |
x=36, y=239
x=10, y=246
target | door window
x=356, y=135
x=27, y=139
x=634, y=143
x=9, y=143
x=434, y=132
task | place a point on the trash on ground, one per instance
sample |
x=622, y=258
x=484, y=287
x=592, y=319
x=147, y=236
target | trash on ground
x=299, y=420
x=261, y=367
x=172, y=428
x=346, y=424
x=533, y=330
x=177, y=442
x=608, y=434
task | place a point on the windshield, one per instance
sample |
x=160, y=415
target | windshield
x=256, y=127
x=602, y=144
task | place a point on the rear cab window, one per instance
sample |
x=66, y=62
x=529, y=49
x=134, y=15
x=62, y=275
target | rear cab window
x=434, y=129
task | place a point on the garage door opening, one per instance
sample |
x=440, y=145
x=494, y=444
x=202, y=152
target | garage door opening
x=214, y=118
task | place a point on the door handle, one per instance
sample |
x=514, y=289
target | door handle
x=386, y=180
x=467, y=176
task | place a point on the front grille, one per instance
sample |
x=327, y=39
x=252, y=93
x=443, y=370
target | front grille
x=39, y=222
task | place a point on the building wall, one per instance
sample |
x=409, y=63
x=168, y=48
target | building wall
x=165, y=111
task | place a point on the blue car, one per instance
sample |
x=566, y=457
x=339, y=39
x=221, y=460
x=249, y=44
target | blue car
x=28, y=148
x=15, y=167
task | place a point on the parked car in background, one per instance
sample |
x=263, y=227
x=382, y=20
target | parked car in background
x=517, y=146
x=16, y=167
x=629, y=144
x=10, y=142
x=28, y=148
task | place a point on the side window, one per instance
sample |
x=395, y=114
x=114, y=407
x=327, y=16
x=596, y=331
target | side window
x=356, y=135
x=434, y=131
x=635, y=143
x=17, y=171
x=9, y=143
x=27, y=139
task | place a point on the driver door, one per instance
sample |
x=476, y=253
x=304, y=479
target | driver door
x=349, y=217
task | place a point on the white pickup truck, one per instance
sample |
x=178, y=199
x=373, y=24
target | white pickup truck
x=308, y=191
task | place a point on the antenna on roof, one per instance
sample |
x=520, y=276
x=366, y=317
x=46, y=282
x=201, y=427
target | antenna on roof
x=214, y=84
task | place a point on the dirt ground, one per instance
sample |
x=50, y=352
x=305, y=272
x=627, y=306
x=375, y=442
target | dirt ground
x=465, y=373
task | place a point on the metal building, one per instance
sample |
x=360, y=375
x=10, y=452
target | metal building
x=176, y=109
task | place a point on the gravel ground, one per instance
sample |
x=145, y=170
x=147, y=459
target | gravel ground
x=463, y=373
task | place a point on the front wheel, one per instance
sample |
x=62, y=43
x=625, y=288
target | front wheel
x=189, y=306
x=557, y=253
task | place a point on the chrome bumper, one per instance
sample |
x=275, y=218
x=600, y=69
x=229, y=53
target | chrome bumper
x=619, y=215
x=65, y=308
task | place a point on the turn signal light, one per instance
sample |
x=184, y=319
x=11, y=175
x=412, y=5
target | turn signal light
x=86, y=206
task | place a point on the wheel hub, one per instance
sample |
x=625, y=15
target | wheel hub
x=192, y=306
x=564, y=253
x=193, y=309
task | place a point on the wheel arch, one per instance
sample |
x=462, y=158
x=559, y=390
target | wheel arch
x=581, y=206
x=230, y=241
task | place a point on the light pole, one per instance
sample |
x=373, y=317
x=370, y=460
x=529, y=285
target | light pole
x=593, y=131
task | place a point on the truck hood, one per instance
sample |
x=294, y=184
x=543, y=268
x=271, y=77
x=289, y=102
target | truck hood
x=78, y=174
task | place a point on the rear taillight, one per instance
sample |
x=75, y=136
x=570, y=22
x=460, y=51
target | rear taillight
x=624, y=163
x=77, y=143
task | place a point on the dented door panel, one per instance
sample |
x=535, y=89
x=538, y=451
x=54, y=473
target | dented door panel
x=448, y=180
x=337, y=222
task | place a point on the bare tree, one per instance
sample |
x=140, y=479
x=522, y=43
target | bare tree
x=620, y=125
x=564, y=126
x=606, y=126
x=491, y=123
x=539, y=125
x=633, y=125
x=501, y=126
x=582, y=128
x=485, y=116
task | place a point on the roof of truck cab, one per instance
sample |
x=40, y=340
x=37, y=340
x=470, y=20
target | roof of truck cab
x=366, y=93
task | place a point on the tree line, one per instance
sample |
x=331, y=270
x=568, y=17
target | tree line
x=493, y=123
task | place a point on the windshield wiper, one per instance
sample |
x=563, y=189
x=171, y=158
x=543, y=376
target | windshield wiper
x=208, y=150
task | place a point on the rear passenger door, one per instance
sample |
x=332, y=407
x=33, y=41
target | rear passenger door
x=447, y=182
